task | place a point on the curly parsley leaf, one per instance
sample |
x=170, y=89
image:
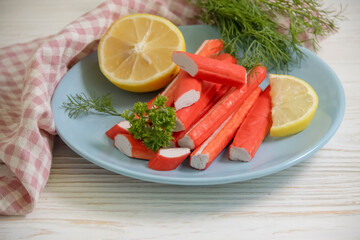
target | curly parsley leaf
x=153, y=126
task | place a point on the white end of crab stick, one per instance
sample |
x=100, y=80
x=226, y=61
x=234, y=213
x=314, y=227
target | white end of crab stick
x=188, y=91
x=186, y=63
x=174, y=152
x=199, y=162
x=179, y=126
x=121, y=127
x=187, y=142
x=122, y=143
x=168, y=158
x=187, y=99
x=239, y=154
x=132, y=147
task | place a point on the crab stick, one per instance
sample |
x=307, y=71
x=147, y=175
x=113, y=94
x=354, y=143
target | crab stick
x=221, y=111
x=226, y=57
x=132, y=147
x=168, y=159
x=253, y=130
x=177, y=136
x=212, y=70
x=186, y=117
x=189, y=89
x=205, y=154
x=168, y=92
x=209, y=48
x=121, y=127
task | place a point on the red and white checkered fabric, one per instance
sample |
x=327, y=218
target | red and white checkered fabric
x=29, y=74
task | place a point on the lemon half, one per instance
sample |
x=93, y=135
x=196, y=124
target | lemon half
x=294, y=103
x=135, y=52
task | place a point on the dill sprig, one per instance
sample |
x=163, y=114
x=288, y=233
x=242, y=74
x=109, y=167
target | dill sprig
x=253, y=34
x=81, y=103
x=306, y=17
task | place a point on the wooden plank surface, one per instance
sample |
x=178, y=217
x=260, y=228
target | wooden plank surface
x=317, y=199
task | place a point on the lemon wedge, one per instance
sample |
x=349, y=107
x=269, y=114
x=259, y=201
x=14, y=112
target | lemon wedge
x=135, y=52
x=294, y=103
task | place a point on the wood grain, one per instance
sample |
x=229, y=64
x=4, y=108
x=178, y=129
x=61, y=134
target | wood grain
x=317, y=199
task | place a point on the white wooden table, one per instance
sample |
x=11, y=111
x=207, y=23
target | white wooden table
x=317, y=199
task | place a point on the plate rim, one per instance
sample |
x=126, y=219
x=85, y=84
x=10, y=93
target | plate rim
x=215, y=180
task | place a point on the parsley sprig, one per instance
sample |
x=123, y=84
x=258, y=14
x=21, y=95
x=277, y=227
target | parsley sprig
x=152, y=126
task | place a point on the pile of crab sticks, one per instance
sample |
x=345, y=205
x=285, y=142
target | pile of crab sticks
x=216, y=101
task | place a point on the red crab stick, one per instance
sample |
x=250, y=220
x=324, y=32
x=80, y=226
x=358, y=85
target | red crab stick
x=168, y=92
x=221, y=111
x=209, y=48
x=168, y=159
x=253, y=130
x=212, y=70
x=121, y=127
x=225, y=57
x=186, y=117
x=203, y=156
x=132, y=147
x=177, y=136
x=189, y=89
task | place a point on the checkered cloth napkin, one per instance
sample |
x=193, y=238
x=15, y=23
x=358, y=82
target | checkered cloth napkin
x=29, y=74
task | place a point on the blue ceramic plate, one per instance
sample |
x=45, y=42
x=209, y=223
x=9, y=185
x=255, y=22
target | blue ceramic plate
x=86, y=134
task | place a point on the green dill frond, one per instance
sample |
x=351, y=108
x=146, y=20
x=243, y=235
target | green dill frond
x=252, y=34
x=82, y=104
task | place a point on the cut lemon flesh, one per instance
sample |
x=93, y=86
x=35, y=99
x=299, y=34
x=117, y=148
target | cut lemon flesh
x=294, y=103
x=135, y=52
